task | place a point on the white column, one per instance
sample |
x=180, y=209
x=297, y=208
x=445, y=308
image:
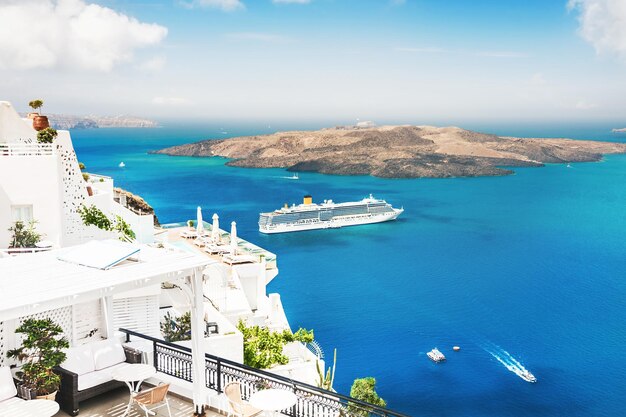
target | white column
x=107, y=309
x=197, y=342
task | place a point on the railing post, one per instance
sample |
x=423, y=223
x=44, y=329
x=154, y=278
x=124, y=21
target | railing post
x=155, y=356
x=219, y=376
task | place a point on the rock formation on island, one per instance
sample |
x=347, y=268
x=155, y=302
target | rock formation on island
x=135, y=203
x=397, y=151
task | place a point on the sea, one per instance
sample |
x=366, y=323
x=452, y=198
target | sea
x=526, y=271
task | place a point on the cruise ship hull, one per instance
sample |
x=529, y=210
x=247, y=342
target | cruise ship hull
x=334, y=223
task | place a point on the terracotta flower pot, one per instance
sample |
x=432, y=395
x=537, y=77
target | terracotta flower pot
x=40, y=122
x=32, y=115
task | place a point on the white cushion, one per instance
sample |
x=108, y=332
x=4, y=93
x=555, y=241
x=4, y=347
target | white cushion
x=7, y=386
x=98, y=377
x=107, y=353
x=79, y=360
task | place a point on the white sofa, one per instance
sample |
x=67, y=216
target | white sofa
x=87, y=371
x=8, y=392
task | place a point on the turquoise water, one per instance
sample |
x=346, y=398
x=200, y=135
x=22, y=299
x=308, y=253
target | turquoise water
x=531, y=264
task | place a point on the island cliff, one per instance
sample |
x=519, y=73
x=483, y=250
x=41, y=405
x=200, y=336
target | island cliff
x=396, y=151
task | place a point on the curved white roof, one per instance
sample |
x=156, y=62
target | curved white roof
x=38, y=282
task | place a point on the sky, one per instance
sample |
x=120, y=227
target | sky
x=404, y=61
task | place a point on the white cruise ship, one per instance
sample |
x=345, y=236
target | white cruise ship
x=310, y=216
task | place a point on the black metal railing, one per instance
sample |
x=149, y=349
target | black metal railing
x=172, y=359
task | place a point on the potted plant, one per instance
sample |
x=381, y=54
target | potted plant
x=46, y=135
x=24, y=236
x=41, y=351
x=39, y=122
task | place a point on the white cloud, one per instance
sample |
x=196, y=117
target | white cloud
x=69, y=34
x=224, y=5
x=583, y=105
x=257, y=36
x=153, y=64
x=291, y=1
x=170, y=101
x=602, y=24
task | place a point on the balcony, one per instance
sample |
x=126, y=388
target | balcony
x=27, y=149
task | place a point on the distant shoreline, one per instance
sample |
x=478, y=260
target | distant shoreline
x=66, y=121
x=619, y=130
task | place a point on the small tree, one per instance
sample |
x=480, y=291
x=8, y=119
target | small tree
x=46, y=135
x=41, y=351
x=175, y=329
x=364, y=389
x=81, y=166
x=24, y=236
x=36, y=105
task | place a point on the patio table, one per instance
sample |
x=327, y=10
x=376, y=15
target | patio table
x=133, y=375
x=273, y=400
x=30, y=408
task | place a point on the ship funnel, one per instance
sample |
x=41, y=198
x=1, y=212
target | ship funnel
x=307, y=200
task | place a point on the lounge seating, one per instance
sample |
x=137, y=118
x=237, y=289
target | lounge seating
x=153, y=396
x=231, y=259
x=240, y=407
x=87, y=370
x=8, y=392
x=188, y=234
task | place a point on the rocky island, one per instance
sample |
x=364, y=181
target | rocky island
x=396, y=151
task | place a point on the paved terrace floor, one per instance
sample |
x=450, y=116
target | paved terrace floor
x=113, y=404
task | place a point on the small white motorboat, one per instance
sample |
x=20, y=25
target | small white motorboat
x=527, y=376
x=436, y=356
x=122, y=164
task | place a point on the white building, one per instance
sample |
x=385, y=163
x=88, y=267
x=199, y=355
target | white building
x=43, y=183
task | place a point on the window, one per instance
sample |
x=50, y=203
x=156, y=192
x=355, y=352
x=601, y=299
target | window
x=22, y=213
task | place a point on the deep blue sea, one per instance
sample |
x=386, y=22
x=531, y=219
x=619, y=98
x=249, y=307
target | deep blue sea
x=530, y=267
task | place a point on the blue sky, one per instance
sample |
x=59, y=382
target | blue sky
x=413, y=61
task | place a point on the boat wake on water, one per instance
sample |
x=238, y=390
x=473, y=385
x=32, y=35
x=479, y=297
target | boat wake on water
x=509, y=362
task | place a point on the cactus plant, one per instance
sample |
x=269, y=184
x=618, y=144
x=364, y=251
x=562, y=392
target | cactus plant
x=326, y=381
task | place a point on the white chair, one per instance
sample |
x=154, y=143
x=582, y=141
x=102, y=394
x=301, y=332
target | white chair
x=152, y=396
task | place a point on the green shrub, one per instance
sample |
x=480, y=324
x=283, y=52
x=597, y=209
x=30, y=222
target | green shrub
x=85, y=176
x=46, y=135
x=81, y=166
x=93, y=216
x=263, y=348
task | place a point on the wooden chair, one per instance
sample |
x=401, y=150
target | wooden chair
x=240, y=407
x=151, y=397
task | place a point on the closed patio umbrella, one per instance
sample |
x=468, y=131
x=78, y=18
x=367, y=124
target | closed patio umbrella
x=233, y=238
x=200, y=226
x=215, y=230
